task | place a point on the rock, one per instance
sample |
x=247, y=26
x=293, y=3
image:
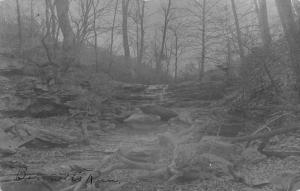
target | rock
x=252, y=155
x=143, y=122
x=286, y=181
x=140, y=154
x=24, y=135
x=194, y=92
x=142, y=118
x=39, y=108
x=43, y=108
x=164, y=113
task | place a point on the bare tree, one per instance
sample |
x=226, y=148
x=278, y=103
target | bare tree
x=52, y=31
x=90, y=12
x=95, y=33
x=62, y=8
x=203, y=29
x=47, y=14
x=262, y=15
x=228, y=61
x=112, y=36
x=54, y=20
x=201, y=65
x=179, y=43
x=19, y=28
x=238, y=32
x=292, y=33
x=141, y=41
x=167, y=18
x=70, y=51
x=176, y=56
x=86, y=9
x=168, y=54
x=125, y=4
x=31, y=18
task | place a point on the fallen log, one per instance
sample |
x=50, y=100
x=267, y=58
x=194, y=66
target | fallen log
x=261, y=136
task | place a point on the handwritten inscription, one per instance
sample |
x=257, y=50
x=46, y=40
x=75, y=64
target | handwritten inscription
x=22, y=174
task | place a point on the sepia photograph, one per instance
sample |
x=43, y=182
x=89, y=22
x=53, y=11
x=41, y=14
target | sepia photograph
x=149, y=95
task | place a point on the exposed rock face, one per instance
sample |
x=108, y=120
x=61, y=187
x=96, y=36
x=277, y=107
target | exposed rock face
x=13, y=136
x=181, y=94
x=195, y=93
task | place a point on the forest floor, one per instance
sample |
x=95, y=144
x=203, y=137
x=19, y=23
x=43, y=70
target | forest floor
x=104, y=140
x=104, y=137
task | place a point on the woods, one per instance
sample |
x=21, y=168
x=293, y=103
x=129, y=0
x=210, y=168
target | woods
x=149, y=95
x=202, y=34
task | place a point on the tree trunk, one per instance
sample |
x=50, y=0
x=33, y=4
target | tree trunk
x=166, y=22
x=47, y=13
x=95, y=35
x=62, y=8
x=125, y=4
x=202, y=63
x=19, y=28
x=142, y=33
x=53, y=22
x=31, y=19
x=141, y=15
x=262, y=15
x=168, y=57
x=228, y=67
x=292, y=34
x=238, y=32
x=112, y=37
x=137, y=32
x=70, y=51
x=176, y=56
x=54, y=28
